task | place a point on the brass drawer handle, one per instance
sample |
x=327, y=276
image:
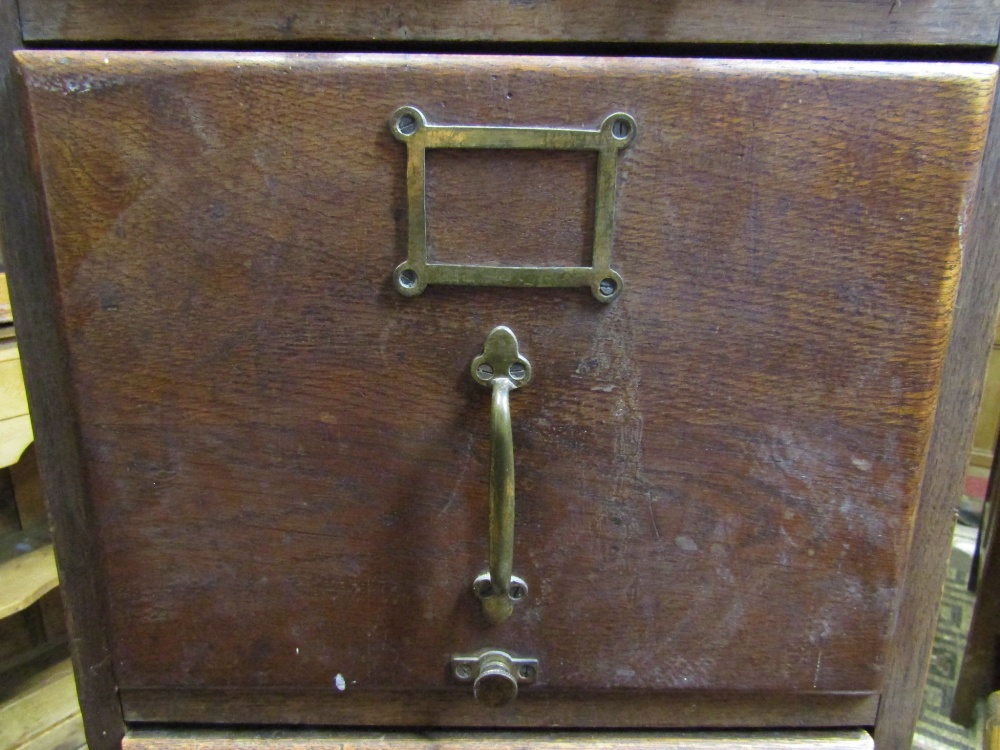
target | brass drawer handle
x=502, y=368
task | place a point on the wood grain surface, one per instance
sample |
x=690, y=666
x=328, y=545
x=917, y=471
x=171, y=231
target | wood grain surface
x=286, y=460
x=26, y=578
x=23, y=241
x=958, y=22
x=179, y=740
x=451, y=708
x=13, y=401
x=43, y=702
x=965, y=368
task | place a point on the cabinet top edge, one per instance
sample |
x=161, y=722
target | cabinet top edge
x=935, y=22
x=53, y=61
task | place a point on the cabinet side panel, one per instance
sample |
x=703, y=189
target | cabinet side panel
x=961, y=391
x=24, y=242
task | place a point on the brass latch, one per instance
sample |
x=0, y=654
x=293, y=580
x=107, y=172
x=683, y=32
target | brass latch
x=494, y=674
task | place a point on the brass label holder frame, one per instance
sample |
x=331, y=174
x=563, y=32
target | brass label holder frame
x=412, y=276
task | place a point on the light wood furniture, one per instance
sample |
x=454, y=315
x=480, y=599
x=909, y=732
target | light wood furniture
x=42, y=713
x=38, y=704
x=857, y=740
x=988, y=421
x=991, y=727
x=15, y=424
x=26, y=578
x=735, y=481
x=977, y=676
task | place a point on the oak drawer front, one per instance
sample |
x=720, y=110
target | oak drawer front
x=287, y=460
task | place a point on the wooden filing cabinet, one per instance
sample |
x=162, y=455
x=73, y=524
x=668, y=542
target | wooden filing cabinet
x=276, y=266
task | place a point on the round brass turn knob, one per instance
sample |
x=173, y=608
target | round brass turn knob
x=494, y=674
x=496, y=685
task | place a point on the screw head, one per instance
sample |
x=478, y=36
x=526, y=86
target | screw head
x=527, y=672
x=463, y=671
x=484, y=589
x=621, y=128
x=408, y=278
x=516, y=591
x=407, y=125
x=608, y=287
x=517, y=371
x=484, y=371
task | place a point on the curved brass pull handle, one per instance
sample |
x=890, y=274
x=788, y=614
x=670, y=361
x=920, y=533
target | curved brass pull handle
x=502, y=368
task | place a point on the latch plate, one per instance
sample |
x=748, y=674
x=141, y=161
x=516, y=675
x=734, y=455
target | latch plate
x=495, y=674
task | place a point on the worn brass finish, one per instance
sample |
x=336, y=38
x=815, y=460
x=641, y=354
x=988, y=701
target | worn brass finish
x=495, y=675
x=501, y=367
x=411, y=277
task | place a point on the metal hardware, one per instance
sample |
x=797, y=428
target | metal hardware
x=502, y=368
x=411, y=277
x=495, y=675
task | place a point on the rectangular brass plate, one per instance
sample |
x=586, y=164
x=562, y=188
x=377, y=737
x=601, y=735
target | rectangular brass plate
x=411, y=277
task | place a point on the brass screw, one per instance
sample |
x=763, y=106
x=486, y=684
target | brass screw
x=485, y=589
x=408, y=278
x=407, y=125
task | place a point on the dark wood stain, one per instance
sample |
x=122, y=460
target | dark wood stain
x=951, y=440
x=457, y=708
x=526, y=208
x=958, y=22
x=718, y=474
x=30, y=267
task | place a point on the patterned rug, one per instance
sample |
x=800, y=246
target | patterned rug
x=934, y=730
